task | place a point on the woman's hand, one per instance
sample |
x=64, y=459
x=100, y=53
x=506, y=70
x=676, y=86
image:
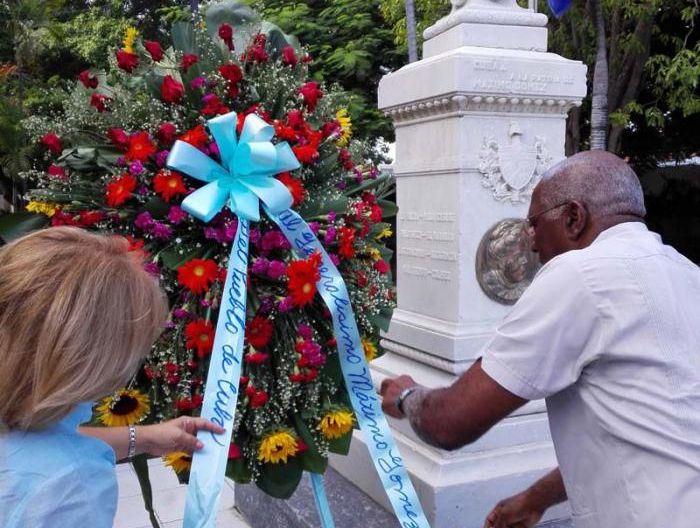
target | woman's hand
x=174, y=435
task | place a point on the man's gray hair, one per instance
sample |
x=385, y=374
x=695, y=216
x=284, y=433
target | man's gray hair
x=599, y=179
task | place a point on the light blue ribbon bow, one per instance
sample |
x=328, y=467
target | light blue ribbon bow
x=246, y=175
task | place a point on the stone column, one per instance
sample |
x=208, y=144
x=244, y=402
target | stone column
x=478, y=121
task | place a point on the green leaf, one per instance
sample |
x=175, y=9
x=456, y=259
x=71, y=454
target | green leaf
x=183, y=37
x=280, y=480
x=311, y=459
x=332, y=370
x=140, y=465
x=341, y=446
x=389, y=209
x=172, y=258
x=88, y=158
x=15, y=225
x=157, y=207
x=238, y=470
x=381, y=321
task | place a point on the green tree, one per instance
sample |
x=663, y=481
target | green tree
x=351, y=44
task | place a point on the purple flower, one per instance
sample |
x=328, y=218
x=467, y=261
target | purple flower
x=144, y=221
x=254, y=236
x=176, y=215
x=142, y=190
x=373, y=172
x=213, y=233
x=274, y=240
x=162, y=157
x=162, y=231
x=214, y=149
x=260, y=265
x=266, y=305
x=286, y=304
x=334, y=258
x=152, y=269
x=208, y=97
x=314, y=227
x=358, y=175
x=312, y=352
x=329, y=237
x=204, y=303
x=136, y=167
x=180, y=313
x=341, y=185
x=305, y=332
x=230, y=230
x=331, y=216
x=169, y=325
x=120, y=161
x=198, y=82
x=276, y=269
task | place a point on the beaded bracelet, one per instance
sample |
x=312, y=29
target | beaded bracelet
x=132, y=442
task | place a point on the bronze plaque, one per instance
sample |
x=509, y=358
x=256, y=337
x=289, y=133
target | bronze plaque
x=505, y=265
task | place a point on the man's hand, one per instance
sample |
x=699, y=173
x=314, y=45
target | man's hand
x=518, y=511
x=390, y=391
x=174, y=435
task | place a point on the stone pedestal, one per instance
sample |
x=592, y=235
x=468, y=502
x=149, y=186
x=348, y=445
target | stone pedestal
x=478, y=121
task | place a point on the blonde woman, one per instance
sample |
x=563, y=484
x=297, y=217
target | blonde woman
x=77, y=315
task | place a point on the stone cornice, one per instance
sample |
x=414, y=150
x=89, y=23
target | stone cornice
x=460, y=104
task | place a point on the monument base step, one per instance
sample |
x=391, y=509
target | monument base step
x=351, y=507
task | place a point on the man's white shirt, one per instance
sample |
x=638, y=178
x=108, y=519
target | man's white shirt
x=610, y=336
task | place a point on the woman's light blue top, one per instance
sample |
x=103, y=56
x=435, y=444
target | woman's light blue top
x=57, y=477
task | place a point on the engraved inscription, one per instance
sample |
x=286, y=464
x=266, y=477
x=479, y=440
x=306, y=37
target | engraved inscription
x=420, y=271
x=495, y=76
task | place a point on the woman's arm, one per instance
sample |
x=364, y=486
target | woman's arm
x=158, y=439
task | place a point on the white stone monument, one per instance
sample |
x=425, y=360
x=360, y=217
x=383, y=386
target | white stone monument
x=477, y=122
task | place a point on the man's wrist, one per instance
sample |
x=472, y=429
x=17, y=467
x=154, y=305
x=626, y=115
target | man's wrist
x=403, y=396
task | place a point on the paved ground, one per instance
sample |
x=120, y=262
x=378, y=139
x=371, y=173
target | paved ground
x=168, y=500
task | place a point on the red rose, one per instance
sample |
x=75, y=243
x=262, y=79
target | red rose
x=288, y=56
x=87, y=80
x=311, y=94
x=171, y=90
x=259, y=399
x=166, y=133
x=189, y=59
x=127, y=61
x=295, y=119
x=119, y=138
x=234, y=451
x=231, y=72
x=154, y=49
x=52, y=142
x=226, y=34
x=381, y=266
x=56, y=172
x=99, y=101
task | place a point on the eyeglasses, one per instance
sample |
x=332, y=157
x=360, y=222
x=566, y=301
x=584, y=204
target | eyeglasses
x=532, y=218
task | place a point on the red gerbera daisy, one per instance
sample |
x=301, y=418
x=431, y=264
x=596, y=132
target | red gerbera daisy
x=197, y=274
x=303, y=275
x=140, y=147
x=200, y=336
x=259, y=332
x=120, y=189
x=197, y=137
x=294, y=185
x=168, y=184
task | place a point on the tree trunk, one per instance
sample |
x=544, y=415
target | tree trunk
x=411, y=31
x=599, y=100
x=573, y=132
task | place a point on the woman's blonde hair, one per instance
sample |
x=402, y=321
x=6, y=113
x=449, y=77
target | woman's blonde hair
x=78, y=313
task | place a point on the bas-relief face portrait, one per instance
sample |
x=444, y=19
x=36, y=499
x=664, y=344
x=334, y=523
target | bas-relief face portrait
x=505, y=265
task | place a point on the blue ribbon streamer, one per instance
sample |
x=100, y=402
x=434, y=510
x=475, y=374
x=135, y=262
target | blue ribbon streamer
x=243, y=180
x=365, y=402
x=324, y=510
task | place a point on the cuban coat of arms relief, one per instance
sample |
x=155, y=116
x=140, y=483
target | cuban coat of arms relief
x=511, y=171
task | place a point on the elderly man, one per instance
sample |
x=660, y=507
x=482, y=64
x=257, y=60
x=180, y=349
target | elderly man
x=609, y=334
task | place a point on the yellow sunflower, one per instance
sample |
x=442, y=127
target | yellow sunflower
x=129, y=39
x=46, y=208
x=277, y=446
x=336, y=423
x=345, y=126
x=374, y=253
x=126, y=407
x=370, y=349
x=179, y=461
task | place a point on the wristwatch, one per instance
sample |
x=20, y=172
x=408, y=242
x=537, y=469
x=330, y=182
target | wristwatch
x=405, y=394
